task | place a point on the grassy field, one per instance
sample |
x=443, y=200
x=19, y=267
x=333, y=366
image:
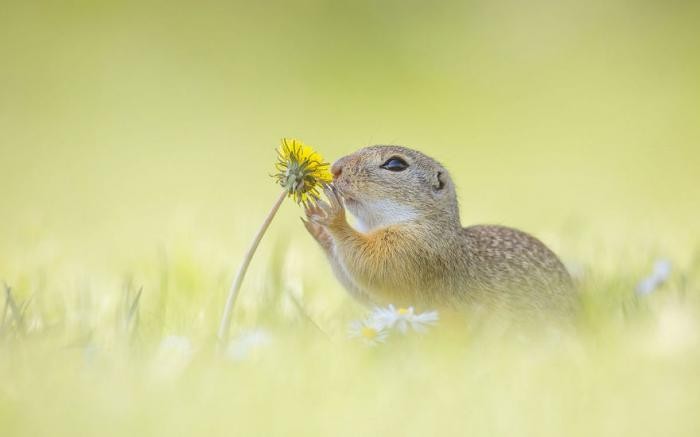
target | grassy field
x=136, y=144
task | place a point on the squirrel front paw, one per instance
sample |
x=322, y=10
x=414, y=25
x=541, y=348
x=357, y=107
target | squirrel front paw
x=317, y=231
x=327, y=214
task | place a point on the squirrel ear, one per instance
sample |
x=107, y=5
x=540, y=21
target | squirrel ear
x=439, y=181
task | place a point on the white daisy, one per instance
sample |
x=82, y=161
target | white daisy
x=403, y=318
x=420, y=322
x=369, y=331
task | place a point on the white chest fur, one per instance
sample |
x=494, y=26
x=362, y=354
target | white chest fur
x=377, y=214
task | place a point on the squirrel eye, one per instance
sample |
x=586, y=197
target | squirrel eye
x=395, y=164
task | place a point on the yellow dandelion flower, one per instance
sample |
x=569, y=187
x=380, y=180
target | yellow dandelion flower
x=301, y=171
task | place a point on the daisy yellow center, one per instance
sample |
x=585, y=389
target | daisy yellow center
x=368, y=332
x=403, y=311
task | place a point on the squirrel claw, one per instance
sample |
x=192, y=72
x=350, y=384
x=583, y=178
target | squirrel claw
x=334, y=209
x=334, y=198
x=315, y=210
x=324, y=213
x=318, y=233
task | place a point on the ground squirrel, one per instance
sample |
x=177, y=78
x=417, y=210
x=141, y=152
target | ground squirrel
x=408, y=246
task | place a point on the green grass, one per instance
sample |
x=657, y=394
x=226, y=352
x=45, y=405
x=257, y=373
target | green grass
x=88, y=359
x=136, y=140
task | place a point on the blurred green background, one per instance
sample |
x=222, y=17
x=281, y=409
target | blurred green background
x=136, y=143
x=125, y=123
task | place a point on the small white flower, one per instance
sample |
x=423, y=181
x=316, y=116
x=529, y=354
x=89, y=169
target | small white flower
x=662, y=270
x=660, y=274
x=647, y=286
x=403, y=318
x=369, y=331
x=420, y=322
x=173, y=356
x=245, y=344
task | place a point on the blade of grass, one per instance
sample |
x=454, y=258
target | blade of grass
x=16, y=313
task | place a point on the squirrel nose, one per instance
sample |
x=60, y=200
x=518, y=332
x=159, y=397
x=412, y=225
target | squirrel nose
x=336, y=169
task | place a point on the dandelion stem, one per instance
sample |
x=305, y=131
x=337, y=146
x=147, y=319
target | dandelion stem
x=236, y=285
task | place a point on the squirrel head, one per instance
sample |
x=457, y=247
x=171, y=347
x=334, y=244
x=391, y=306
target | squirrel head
x=385, y=185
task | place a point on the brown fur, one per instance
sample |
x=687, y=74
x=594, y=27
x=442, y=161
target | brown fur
x=412, y=249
